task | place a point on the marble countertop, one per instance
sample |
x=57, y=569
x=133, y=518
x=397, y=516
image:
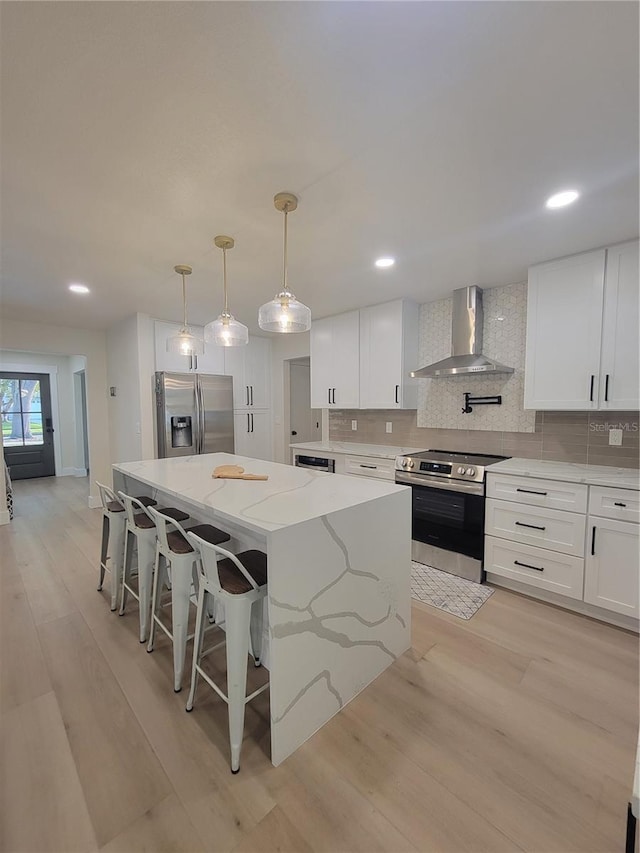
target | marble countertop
x=290, y=495
x=570, y=472
x=382, y=451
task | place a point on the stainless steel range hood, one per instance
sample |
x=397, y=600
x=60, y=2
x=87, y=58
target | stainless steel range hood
x=466, y=341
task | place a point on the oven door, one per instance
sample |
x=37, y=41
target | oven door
x=445, y=515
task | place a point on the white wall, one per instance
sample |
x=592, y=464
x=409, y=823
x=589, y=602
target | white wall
x=63, y=340
x=284, y=348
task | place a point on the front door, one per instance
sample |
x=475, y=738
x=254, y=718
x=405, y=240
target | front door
x=27, y=428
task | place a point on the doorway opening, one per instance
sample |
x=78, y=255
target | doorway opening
x=82, y=430
x=27, y=424
x=305, y=423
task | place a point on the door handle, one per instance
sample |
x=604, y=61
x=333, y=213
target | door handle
x=593, y=541
x=293, y=432
x=593, y=379
x=606, y=388
x=397, y=391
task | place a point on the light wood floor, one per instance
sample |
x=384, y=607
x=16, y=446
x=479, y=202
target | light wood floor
x=513, y=731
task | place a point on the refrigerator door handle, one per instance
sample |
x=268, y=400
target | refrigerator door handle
x=199, y=417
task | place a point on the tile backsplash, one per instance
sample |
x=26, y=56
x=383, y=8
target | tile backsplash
x=559, y=436
x=440, y=401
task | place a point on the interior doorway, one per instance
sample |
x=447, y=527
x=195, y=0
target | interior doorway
x=27, y=425
x=305, y=423
x=82, y=430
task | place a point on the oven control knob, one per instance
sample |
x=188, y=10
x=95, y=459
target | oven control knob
x=405, y=462
x=471, y=471
x=460, y=470
x=411, y=463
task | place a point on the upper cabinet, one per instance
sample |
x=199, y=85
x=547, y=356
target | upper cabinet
x=250, y=367
x=211, y=361
x=335, y=362
x=388, y=352
x=619, y=370
x=582, y=332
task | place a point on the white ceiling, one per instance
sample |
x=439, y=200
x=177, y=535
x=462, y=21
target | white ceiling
x=132, y=133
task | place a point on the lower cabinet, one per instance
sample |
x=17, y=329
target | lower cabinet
x=252, y=433
x=611, y=567
x=559, y=573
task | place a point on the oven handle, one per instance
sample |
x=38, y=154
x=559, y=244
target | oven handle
x=405, y=479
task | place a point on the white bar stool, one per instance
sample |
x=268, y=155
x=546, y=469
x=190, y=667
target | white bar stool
x=140, y=534
x=176, y=556
x=111, y=548
x=240, y=582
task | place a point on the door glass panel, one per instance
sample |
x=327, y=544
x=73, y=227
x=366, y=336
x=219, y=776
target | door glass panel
x=10, y=405
x=12, y=429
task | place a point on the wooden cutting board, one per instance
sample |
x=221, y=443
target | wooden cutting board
x=235, y=472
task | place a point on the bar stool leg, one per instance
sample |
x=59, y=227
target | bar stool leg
x=256, y=630
x=180, y=589
x=104, y=549
x=197, y=645
x=155, y=598
x=116, y=549
x=238, y=618
x=145, y=582
x=126, y=570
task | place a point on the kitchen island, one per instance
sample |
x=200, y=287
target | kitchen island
x=339, y=564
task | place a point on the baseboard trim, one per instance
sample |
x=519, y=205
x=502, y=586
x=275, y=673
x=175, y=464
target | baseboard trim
x=4, y=516
x=94, y=502
x=73, y=472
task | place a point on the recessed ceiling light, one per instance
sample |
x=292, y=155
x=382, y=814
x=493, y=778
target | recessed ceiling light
x=382, y=263
x=78, y=288
x=562, y=199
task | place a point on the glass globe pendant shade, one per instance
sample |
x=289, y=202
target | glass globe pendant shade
x=284, y=314
x=226, y=331
x=185, y=343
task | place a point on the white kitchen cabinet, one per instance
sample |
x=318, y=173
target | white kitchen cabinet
x=619, y=371
x=388, y=352
x=252, y=434
x=564, y=321
x=211, y=361
x=335, y=362
x=250, y=367
x=611, y=568
x=582, y=332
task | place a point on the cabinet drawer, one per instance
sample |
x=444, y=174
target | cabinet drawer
x=370, y=466
x=619, y=504
x=555, y=494
x=538, y=567
x=532, y=525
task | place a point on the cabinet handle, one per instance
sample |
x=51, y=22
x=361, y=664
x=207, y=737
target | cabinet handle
x=527, y=566
x=617, y=503
x=195, y=358
x=251, y=421
x=532, y=526
x=530, y=492
x=373, y=467
x=329, y=393
x=251, y=386
x=333, y=396
x=593, y=540
x=248, y=423
x=247, y=390
x=593, y=379
x=606, y=388
x=190, y=362
x=397, y=392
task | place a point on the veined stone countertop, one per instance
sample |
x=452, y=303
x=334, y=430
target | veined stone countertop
x=382, y=451
x=570, y=472
x=290, y=495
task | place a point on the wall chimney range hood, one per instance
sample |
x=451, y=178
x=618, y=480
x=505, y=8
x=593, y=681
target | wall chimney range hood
x=466, y=341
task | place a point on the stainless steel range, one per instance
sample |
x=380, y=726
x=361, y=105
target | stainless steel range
x=448, y=495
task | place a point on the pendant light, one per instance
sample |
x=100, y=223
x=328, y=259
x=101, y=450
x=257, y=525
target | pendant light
x=226, y=331
x=185, y=342
x=284, y=313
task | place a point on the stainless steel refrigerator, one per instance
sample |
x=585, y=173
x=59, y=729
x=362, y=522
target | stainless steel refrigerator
x=194, y=414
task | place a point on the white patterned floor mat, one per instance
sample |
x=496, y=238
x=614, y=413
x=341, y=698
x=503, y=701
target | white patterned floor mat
x=455, y=595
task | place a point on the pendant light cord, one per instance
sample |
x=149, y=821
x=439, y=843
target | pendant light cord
x=284, y=253
x=184, y=302
x=224, y=280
